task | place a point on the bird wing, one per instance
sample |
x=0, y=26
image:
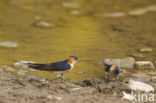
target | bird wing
x=59, y=66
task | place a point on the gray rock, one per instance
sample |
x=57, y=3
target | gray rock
x=123, y=63
x=140, y=86
x=8, y=44
x=141, y=77
x=144, y=65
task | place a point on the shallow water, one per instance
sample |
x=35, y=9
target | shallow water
x=88, y=35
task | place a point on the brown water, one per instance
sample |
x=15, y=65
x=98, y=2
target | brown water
x=88, y=35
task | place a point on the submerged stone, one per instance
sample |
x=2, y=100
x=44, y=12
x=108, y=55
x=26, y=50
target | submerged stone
x=115, y=15
x=123, y=63
x=144, y=65
x=43, y=24
x=146, y=49
x=8, y=44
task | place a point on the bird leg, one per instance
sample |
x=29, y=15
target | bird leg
x=106, y=76
x=63, y=77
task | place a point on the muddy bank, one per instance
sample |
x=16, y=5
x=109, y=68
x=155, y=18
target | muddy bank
x=27, y=90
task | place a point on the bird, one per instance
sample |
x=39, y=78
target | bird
x=112, y=70
x=60, y=68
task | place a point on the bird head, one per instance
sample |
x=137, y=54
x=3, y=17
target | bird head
x=72, y=60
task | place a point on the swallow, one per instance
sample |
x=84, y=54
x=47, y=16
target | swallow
x=112, y=69
x=58, y=67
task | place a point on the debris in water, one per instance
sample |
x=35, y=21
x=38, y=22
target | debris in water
x=144, y=65
x=8, y=44
x=140, y=86
x=79, y=72
x=114, y=15
x=43, y=24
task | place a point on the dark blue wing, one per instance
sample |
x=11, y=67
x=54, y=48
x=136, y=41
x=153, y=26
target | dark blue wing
x=59, y=66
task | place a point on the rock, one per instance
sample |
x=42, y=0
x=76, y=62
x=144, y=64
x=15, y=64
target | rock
x=22, y=65
x=153, y=78
x=71, y=5
x=127, y=96
x=7, y=68
x=140, y=86
x=141, y=77
x=154, y=62
x=123, y=63
x=137, y=55
x=21, y=72
x=144, y=65
x=145, y=49
x=43, y=24
x=115, y=15
x=8, y=44
x=1, y=71
x=142, y=11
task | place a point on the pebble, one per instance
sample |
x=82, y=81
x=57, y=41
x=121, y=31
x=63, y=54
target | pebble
x=137, y=55
x=71, y=5
x=145, y=49
x=144, y=65
x=75, y=12
x=8, y=44
x=114, y=15
x=123, y=62
x=22, y=73
x=1, y=71
x=79, y=72
x=43, y=24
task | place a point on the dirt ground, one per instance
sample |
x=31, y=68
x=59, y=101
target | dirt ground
x=27, y=90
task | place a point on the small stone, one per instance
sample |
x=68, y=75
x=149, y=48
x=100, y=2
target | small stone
x=137, y=55
x=144, y=65
x=43, y=24
x=153, y=78
x=8, y=44
x=145, y=49
x=1, y=71
x=79, y=72
x=20, y=72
